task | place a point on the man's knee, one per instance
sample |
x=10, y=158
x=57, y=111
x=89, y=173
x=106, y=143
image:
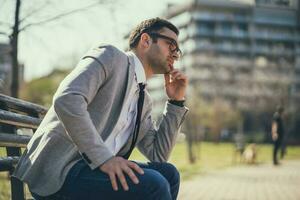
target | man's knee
x=156, y=185
x=172, y=172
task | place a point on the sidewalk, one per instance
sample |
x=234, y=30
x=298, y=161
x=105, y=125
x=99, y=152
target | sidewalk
x=257, y=182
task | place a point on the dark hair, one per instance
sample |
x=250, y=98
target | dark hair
x=147, y=26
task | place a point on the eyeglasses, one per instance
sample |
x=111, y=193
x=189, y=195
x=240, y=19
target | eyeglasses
x=173, y=46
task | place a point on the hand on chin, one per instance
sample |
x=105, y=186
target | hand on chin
x=170, y=67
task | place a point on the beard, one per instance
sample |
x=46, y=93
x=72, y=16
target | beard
x=158, y=63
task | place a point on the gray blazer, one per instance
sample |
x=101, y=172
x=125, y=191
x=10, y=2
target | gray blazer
x=85, y=110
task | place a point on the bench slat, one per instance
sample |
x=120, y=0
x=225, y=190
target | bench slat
x=7, y=163
x=19, y=120
x=21, y=105
x=12, y=140
x=16, y=113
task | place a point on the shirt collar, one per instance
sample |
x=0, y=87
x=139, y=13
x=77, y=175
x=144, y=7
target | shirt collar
x=139, y=69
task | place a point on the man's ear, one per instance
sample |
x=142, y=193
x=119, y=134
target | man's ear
x=145, y=40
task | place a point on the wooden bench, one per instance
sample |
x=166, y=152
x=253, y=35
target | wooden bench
x=16, y=114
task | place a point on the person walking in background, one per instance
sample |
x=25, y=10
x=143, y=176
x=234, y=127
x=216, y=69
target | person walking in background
x=100, y=112
x=278, y=133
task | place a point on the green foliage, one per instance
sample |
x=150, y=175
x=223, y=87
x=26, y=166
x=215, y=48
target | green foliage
x=214, y=116
x=255, y=137
x=41, y=90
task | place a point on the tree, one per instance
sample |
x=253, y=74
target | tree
x=41, y=90
x=212, y=116
x=14, y=51
x=21, y=24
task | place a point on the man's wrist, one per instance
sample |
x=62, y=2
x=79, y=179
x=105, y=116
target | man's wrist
x=177, y=102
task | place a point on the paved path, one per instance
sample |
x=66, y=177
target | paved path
x=258, y=182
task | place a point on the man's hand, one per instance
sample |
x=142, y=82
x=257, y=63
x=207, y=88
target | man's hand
x=176, y=83
x=274, y=131
x=274, y=136
x=116, y=166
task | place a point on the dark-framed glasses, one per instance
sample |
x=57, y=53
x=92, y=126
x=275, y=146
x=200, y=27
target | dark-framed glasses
x=172, y=43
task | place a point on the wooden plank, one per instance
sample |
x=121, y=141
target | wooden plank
x=7, y=163
x=17, y=187
x=21, y=105
x=19, y=120
x=13, y=140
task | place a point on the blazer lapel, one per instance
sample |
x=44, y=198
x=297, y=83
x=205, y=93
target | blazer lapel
x=128, y=82
x=131, y=73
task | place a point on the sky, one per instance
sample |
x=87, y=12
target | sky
x=62, y=42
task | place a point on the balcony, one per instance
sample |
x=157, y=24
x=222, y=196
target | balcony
x=210, y=16
x=275, y=21
x=231, y=33
x=204, y=62
x=273, y=51
x=202, y=32
x=267, y=35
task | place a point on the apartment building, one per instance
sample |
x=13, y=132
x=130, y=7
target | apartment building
x=246, y=53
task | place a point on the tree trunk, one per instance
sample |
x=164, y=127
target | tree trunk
x=14, y=52
x=190, y=141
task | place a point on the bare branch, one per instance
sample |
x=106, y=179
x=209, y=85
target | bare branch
x=60, y=16
x=34, y=11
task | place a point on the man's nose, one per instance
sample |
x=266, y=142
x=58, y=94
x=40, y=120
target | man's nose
x=175, y=55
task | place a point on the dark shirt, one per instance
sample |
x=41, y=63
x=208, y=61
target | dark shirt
x=280, y=127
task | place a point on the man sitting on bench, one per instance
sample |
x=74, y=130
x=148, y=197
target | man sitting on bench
x=100, y=112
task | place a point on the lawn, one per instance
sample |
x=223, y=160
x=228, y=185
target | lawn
x=211, y=156
x=214, y=156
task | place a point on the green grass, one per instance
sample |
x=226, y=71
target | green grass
x=215, y=156
x=211, y=156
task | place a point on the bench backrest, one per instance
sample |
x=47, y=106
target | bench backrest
x=16, y=114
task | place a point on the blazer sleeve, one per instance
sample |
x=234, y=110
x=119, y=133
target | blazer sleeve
x=71, y=102
x=158, y=142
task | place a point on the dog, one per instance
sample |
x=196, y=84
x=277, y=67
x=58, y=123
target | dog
x=250, y=154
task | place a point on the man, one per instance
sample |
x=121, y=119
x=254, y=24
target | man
x=100, y=112
x=277, y=133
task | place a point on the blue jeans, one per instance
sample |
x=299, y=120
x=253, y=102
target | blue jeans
x=160, y=181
